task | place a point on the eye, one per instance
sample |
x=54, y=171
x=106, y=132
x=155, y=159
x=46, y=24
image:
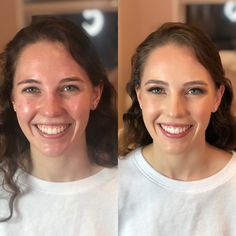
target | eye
x=31, y=90
x=195, y=91
x=157, y=90
x=70, y=88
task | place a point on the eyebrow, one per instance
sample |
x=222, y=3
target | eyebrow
x=190, y=83
x=66, y=80
x=196, y=82
x=71, y=79
x=153, y=81
x=29, y=81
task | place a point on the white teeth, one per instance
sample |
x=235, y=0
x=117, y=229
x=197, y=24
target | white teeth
x=175, y=130
x=52, y=130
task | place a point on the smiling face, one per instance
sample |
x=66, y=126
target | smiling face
x=177, y=96
x=53, y=97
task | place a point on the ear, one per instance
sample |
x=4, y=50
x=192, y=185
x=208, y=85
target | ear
x=218, y=97
x=139, y=97
x=97, y=93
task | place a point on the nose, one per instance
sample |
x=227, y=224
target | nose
x=51, y=105
x=176, y=106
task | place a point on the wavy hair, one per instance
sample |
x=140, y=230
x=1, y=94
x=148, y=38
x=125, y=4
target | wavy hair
x=101, y=131
x=221, y=131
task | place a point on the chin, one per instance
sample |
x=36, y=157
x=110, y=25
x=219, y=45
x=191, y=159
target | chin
x=52, y=151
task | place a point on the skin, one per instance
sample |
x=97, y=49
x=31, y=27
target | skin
x=53, y=97
x=177, y=96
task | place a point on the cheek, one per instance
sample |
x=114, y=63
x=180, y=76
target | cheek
x=24, y=110
x=150, y=112
x=151, y=108
x=79, y=109
x=202, y=116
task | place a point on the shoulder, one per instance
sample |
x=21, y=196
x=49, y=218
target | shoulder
x=129, y=158
x=109, y=174
x=233, y=159
x=8, y=183
x=128, y=165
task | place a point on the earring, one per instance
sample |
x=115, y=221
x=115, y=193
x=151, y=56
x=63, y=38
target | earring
x=93, y=107
x=14, y=106
x=214, y=109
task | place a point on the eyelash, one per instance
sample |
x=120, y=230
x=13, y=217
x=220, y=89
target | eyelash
x=31, y=90
x=157, y=90
x=70, y=88
x=35, y=90
x=191, y=91
x=195, y=91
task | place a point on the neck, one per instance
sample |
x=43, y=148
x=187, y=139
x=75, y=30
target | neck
x=194, y=164
x=73, y=165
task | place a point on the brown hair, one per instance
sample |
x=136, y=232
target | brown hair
x=101, y=132
x=221, y=131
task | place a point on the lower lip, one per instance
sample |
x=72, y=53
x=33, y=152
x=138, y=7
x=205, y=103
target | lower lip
x=53, y=136
x=175, y=136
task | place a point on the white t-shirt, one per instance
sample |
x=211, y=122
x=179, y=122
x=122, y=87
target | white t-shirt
x=151, y=204
x=86, y=207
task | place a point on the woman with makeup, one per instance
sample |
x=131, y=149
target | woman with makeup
x=57, y=135
x=178, y=165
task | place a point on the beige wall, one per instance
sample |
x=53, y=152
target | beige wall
x=137, y=18
x=8, y=21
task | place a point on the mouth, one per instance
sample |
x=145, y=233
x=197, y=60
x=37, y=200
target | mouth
x=175, y=131
x=52, y=130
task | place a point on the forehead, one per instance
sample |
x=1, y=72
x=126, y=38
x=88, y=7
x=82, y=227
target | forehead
x=43, y=48
x=175, y=61
x=170, y=52
x=47, y=59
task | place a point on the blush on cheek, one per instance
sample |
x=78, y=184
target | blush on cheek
x=150, y=112
x=79, y=107
x=24, y=110
x=203, y=117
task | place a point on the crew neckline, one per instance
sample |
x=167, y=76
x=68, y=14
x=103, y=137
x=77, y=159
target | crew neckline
x=35, y=184
x=195, y=186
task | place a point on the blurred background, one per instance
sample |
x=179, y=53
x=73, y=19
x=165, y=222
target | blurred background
x=98, y=17
x=138, y=18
